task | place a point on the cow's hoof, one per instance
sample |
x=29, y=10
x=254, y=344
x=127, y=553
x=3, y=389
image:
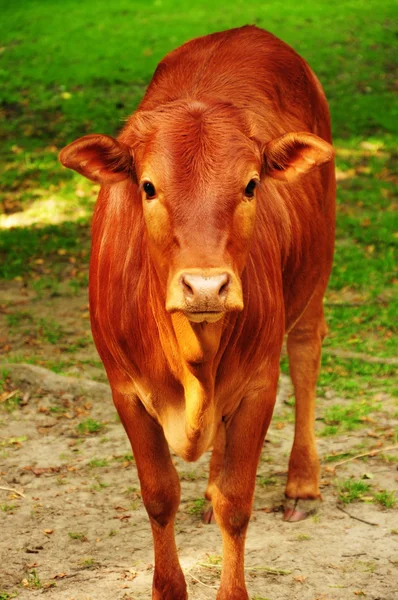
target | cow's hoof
x=298, y=509
x=208, y=515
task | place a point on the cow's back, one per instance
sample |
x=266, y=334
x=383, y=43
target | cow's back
x=250, y=68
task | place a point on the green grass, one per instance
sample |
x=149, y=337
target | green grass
x=78, y=536
x=18, y=318
x=33, y=580
x=44, y=329
x=266, y=481
x=22, y=248
x=386, y=499
x=351, y=490
x=339, y=418
x=197, y=506
x=99, y=486
x=355, y=378
x=124, y=458
x=88, y=562
x=90, y=426
x=98, y=462
x=330, y=458
x=59, y=80
x=12, y=398
x=7, y=508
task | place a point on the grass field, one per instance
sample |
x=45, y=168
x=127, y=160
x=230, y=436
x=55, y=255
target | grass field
x=78, y=67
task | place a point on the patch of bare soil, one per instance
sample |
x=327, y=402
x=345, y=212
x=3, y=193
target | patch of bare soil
x=73, y=525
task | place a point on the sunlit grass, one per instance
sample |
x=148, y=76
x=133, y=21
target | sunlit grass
x=58, y=85
x=51, y=210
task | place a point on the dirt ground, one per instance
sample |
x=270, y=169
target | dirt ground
x=72, y=523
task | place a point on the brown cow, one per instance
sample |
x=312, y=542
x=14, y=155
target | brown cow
x=212, y=238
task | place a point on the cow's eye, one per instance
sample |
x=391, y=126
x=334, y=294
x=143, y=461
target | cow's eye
x=149, y=190
x=251, y=186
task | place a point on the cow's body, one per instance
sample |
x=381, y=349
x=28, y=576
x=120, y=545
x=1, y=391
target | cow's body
x=195, y=280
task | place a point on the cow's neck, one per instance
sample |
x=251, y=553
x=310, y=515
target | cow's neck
x=198, y=345
x=192, y=352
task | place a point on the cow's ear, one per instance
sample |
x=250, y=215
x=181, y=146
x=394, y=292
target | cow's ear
x=294, y=154
x=98, y=157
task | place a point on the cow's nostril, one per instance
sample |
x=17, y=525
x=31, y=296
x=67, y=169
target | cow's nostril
x=223, y=291
x=187, y=288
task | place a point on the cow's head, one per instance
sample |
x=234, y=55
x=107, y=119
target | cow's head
x=199, y=171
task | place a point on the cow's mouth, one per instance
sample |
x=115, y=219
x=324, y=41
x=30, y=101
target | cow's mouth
x=204, y=317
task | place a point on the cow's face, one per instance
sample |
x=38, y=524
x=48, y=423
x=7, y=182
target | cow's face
x=198, y=174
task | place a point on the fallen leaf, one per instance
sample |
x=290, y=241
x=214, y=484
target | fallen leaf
x=7, y=395
x=49, y=584
x=329, y=469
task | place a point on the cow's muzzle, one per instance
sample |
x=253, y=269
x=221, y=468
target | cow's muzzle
x=204, y=295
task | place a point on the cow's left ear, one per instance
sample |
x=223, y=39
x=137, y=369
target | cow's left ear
x=294, y=154
x=100, y=158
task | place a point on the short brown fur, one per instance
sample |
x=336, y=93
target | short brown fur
x=193, y=288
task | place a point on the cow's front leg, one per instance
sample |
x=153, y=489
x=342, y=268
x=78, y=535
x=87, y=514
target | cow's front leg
x=160, y=488
x=216, y=464
x=233, y=490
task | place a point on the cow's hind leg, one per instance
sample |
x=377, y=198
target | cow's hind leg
x=160, y=488
x=232, y=493
x=304, y=349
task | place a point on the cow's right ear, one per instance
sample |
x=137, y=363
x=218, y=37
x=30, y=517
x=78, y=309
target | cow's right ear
x=100, y=158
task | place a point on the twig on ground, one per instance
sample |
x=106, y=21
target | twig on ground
x=270, y=570
x=209, y=566
x=370, y=453
x=213, y=587
x=257, y=568
x=7, y=489
x=357, y=518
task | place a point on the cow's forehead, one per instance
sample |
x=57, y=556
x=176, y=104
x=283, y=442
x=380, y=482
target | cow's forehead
x=200, y=143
